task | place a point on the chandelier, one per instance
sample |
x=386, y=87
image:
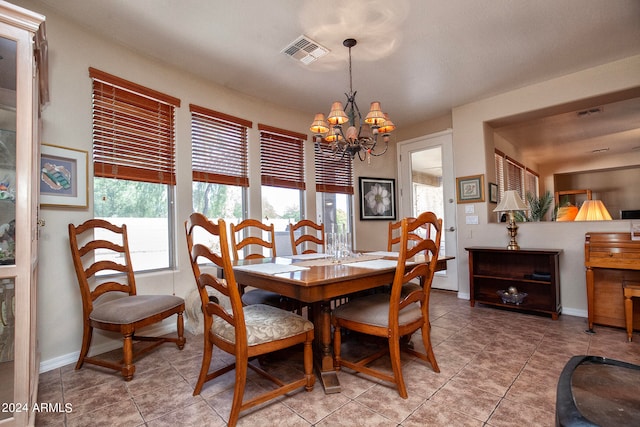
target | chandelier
x=354, y=141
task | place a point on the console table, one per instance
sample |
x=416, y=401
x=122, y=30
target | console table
x=534, y=271
x=610, y=258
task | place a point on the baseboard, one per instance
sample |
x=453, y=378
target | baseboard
x=72, y=358
x=463, y=295
x=575, y=312
x=565, y=310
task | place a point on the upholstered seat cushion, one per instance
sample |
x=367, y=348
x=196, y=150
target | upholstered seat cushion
x=264, y=323
x=193, y=309
x=407, y=288
x=260, y=296
x=131, y=309
x=374, y=310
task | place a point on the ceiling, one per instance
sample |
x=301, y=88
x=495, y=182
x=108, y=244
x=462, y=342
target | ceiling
x=419, y=58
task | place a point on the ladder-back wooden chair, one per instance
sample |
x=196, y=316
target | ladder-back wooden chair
x=394, y=240
x=243, y=331
x=247, y=243
x=395, y=316
x=94, y=259
x=310, y=233
x=394, y=234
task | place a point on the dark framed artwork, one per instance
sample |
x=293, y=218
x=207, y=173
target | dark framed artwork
x=493, y=192
x=377, y=198
x=470, y=189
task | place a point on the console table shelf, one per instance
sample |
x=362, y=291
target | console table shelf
x=534, y=271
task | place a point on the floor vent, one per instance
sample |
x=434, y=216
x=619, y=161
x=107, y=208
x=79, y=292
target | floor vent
x=305, y=50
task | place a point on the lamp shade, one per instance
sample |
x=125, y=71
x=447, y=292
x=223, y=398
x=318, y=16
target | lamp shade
x=375, y=116
x=337, y=116
x=319, y=125
x=511, y=201
x=566, y=213
x=388, y=126
x=592, y=210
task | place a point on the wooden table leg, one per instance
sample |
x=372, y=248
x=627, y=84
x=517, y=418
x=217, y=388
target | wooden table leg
x=590, y=299
x=324, y=354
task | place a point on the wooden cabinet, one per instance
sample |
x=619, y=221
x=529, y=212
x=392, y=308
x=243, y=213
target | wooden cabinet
x=534, y=271
x=609, y=259
x=21, y=40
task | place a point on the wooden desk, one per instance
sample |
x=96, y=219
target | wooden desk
x=610, y=258
x=319, y=285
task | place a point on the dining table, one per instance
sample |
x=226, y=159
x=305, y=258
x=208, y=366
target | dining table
x=321, y=281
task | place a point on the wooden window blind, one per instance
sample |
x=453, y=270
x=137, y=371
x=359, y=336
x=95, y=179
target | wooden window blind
x=531, y=182
x=133, y=131
x=514, y=176
x=282, y=157
x=333, y=174
x=499, y=158
x=219, y=147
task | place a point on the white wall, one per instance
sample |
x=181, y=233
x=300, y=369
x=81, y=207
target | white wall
x=473, y=154
x=67, y=122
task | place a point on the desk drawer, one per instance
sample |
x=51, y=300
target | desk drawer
x=614, y=258
x=616, y=253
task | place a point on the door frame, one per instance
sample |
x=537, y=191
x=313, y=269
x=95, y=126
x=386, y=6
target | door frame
x=447, y=280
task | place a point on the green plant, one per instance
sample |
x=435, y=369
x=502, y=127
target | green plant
x=538, y=207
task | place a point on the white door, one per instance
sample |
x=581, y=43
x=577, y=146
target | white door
x=426, y=183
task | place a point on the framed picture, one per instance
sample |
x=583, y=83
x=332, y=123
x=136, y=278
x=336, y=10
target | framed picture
x=470, y=189
x=63, y=177
x=377, y=198
x=493, y=192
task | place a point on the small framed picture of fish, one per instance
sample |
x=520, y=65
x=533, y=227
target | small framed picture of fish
x=63, y=177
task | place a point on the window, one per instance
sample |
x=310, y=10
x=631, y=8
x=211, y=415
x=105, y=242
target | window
x=531, y=182
x=134, y=165
x=219, y=163
x=512, y=175
x=334, y=189
x=283, y=185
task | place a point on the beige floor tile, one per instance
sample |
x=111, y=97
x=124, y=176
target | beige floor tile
x=197, y=415
x=123, y=414
x=471, y=401
x=497, y=368
x=160, y=401
x=509, y=414
x=434, y=414
x=354, y=414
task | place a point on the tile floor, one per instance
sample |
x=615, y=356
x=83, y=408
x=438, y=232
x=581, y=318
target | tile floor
x=498, y=368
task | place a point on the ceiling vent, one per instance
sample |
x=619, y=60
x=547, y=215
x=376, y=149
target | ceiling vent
x=589, y=112
x=305, y=50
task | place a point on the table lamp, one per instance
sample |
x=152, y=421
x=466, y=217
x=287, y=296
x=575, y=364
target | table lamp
x=510, y=203
x=593, y=210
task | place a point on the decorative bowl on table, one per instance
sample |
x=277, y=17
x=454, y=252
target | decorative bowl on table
x=512, y=298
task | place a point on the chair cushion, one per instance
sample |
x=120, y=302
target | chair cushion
x=407, y=288
x=264, y=324
x=260, y=296
x=374, y=310
x=131, y=309
x=194, y=319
